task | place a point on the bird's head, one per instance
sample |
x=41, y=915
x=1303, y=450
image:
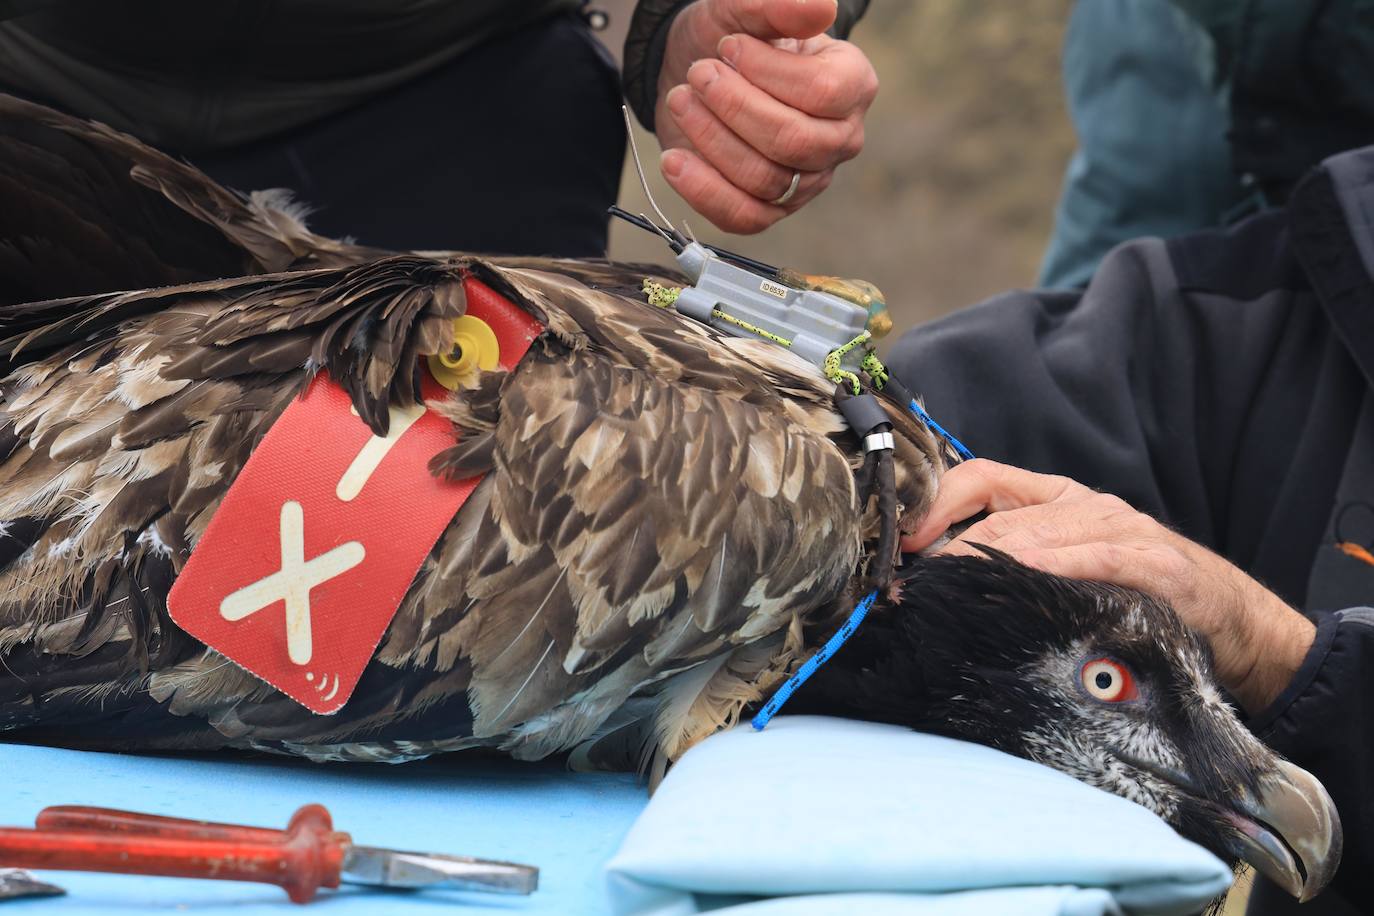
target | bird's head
x=1102, y=683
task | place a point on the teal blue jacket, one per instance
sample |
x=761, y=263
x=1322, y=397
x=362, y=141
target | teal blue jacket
x=1191, y=113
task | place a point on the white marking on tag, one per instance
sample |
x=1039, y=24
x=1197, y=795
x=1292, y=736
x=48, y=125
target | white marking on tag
x=293, y=582
x=773, y=289
x=370, y=456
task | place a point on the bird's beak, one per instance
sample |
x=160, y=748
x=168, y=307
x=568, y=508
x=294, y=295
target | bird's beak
x=1291, y=834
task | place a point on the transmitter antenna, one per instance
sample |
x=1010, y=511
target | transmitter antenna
x=676, y=238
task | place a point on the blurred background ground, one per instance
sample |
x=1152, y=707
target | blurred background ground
x=953, y=197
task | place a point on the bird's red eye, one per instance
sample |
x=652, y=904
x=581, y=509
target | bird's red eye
x=1108, y=681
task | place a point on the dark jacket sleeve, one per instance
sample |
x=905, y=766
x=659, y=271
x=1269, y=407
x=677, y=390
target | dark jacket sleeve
x=1225, y=414
x=1224, y=409
x=648, y=36
x=1324, y=722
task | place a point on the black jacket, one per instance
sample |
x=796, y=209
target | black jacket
x=1298, y=79
x=195, y=77
x=1224, y=383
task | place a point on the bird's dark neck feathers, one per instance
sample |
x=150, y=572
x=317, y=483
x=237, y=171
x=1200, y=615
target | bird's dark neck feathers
x=947, y=656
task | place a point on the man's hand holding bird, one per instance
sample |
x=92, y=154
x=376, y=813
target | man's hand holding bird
x=757, y=106
x=1058, y=525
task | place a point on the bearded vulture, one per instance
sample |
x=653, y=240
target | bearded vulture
x=667, y=523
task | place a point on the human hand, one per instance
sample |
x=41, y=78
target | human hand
x=751, y=92
x=1063, y=527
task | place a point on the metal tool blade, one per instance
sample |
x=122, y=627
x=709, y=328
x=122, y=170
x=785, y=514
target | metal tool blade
x=393, y=868
x=16, y=883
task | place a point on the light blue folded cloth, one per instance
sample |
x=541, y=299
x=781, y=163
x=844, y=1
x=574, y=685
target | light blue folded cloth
x=817, y=815
x=568, y=824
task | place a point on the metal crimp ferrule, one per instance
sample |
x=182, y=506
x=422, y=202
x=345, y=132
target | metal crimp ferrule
x=876, y=442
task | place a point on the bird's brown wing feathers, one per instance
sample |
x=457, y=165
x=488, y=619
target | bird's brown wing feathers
x=662, y=505
x=120, y=442
x=366, y=324
x=634, y=529
x=660, y=499
x=653, y=503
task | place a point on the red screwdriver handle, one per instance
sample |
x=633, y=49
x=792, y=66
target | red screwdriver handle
x=304, y=857
x=111, y=820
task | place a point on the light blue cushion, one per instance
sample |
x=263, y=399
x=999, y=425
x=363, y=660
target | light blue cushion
x=834, y=816
x=568, y=824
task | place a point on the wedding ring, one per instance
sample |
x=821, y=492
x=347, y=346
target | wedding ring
x=791, y=189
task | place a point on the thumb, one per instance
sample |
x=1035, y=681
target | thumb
x=771, y=19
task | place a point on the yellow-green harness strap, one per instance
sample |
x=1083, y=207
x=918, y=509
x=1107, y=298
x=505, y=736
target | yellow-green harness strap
x=832, y=363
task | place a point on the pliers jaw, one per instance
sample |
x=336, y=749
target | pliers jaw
x=393, y=868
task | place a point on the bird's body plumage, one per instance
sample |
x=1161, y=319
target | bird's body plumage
x=659, y=502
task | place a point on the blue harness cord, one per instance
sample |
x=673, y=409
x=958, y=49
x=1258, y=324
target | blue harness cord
x=784, y=693
x=929, y=421
x=832, y=645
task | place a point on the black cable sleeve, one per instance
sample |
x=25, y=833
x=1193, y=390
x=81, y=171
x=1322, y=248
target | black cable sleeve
x=863, y=479
x=863, y=412
x=885, y=556
x=898, y=390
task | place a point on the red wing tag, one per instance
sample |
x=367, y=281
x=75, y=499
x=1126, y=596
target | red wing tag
x=309, y=555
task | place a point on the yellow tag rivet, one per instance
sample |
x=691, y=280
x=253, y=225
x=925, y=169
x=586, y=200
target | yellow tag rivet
x=457, y=365
x=475, y=346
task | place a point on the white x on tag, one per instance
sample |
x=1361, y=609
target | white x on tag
x=293, y=582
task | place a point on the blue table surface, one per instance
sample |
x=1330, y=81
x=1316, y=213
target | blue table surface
x=568, y=824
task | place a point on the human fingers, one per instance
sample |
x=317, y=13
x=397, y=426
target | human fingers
x=1143, y=567
x=708, y=192
x=1200, y=586
x=1203, y=588
x=772, y=19
x=789, y=137
x=738, y=163
x=1085, y=519
x=1126, y=564
x=834, y=82
x=981, y=485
